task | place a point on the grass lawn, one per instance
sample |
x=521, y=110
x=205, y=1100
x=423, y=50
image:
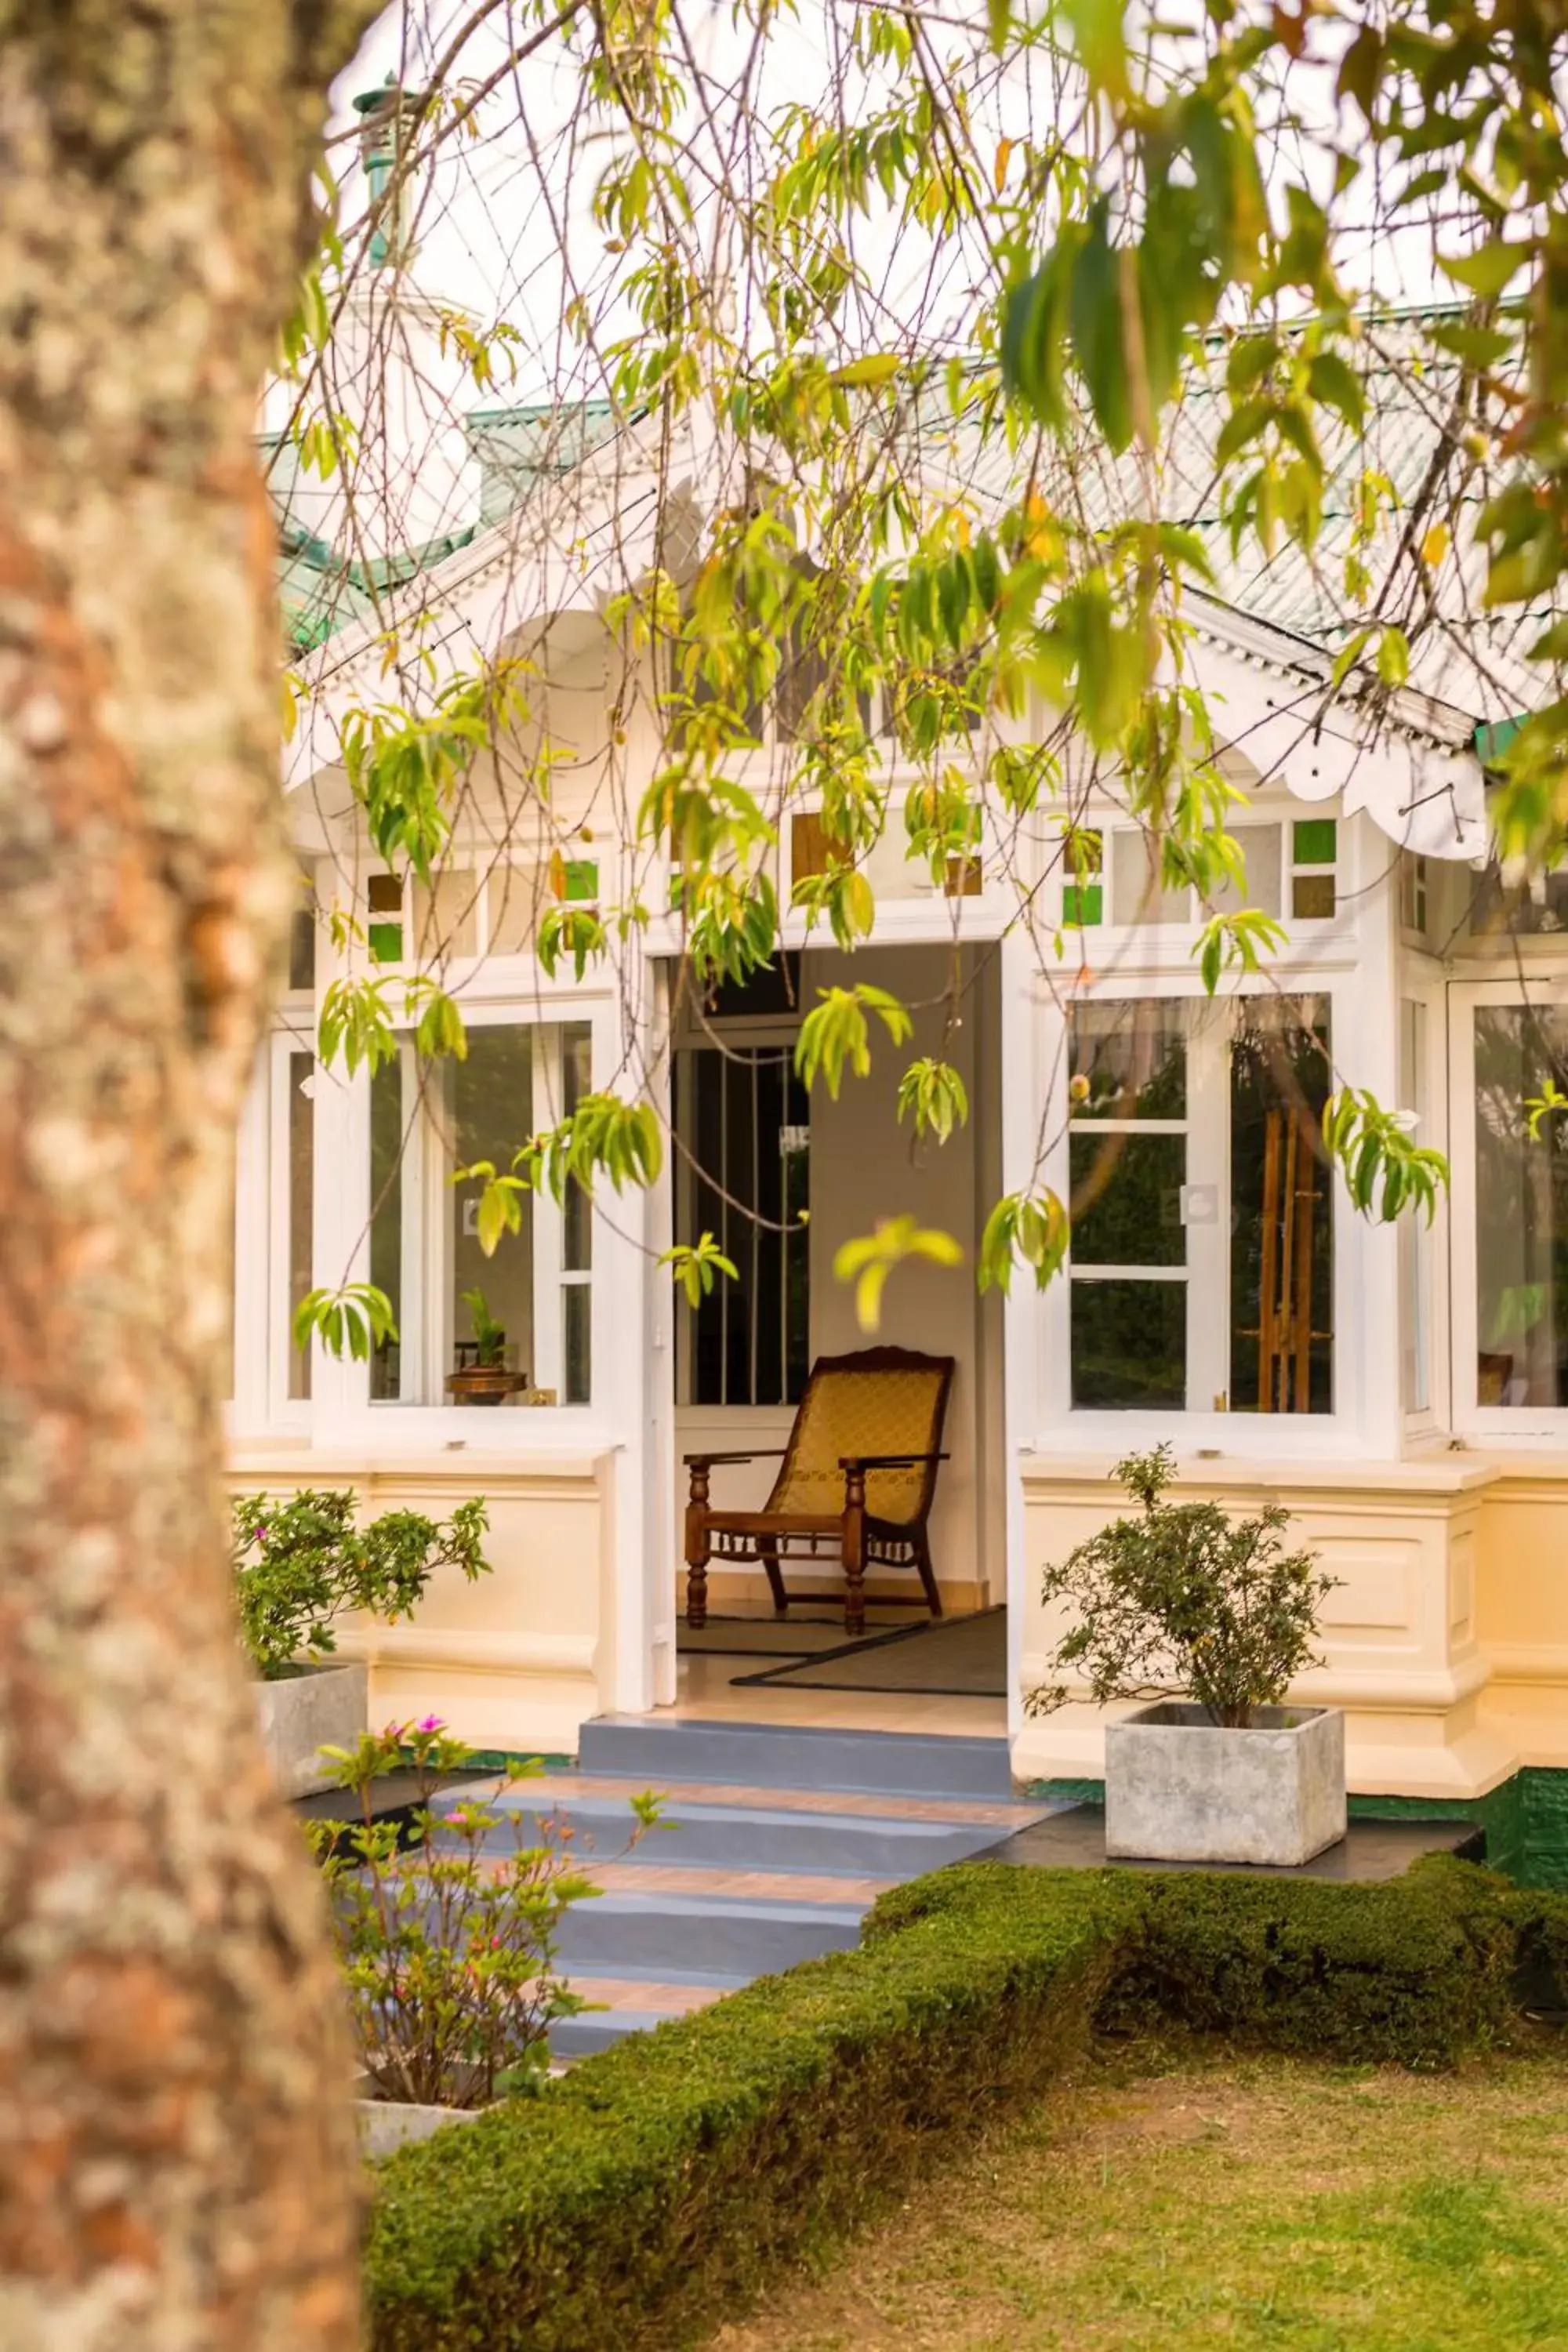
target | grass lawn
x=1168, y=2199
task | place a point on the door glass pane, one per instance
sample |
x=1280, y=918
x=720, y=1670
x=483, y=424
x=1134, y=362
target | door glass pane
x=386, y=1220
x=750, y=1142
x=301, y=1198
x=492, y=1114
x=1282, y=1212
x=1130, y=1344
x=1126, y=1199
x=1521, y=1208
x=1128, y=1060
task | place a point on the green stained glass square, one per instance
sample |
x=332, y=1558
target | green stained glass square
x=582, y=878
x=1082, y=905
x=385, y=943
x=1316, y=841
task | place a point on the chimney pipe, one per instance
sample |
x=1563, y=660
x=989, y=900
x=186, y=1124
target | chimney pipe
x=387, y=119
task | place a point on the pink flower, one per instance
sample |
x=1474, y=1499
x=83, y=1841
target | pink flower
x=431, y=1723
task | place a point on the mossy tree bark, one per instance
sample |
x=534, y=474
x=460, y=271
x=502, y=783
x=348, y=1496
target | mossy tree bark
x=177, y=2168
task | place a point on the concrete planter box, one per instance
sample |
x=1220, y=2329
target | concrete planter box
x=325, y=1706
x=1180, y=1789
x=387, y=2125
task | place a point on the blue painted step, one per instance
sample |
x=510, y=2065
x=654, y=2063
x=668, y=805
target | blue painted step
x=616, y=1934
x=748, y=1837
x=780, y=1756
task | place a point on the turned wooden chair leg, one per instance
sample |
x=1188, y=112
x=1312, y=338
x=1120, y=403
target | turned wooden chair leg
x=768, y=1552
x=928, y=1574
x=697, y=1548
x=854, y=1549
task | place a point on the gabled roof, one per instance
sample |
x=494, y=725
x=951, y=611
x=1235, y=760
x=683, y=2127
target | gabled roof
x=1287, y=614
x=322, y=592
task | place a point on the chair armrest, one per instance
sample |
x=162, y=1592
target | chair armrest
x=757, y=1453
x=886, y=1461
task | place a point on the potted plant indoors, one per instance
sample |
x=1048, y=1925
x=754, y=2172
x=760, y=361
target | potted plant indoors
x=483, y=1375
x=447, y=1927
x=300, y=1561
x=1214, y=1619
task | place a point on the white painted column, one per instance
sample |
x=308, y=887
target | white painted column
x=1365, y=1038
x=1022, y=1098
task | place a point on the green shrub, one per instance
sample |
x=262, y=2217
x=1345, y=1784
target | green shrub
x=656, y=2186
x=302, y=1559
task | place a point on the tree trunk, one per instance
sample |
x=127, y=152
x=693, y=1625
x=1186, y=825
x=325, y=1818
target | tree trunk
x=177, y=2165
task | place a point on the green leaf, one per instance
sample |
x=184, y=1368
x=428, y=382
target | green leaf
x=1334, y=384
x=869, y=1259
x=1094, y=323
x=1348, y=656
x=1360, y=69
x=1487, y=270
x=1394, y=656
x=877, y=367
x=933, y=1095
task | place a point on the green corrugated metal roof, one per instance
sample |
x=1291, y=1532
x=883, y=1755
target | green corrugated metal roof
x=516, y=448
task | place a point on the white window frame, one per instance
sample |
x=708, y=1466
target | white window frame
x=1508, y=1425
x=1273, y=807
x=344, y=1412
x=260, y=1404
x=1361, y=1358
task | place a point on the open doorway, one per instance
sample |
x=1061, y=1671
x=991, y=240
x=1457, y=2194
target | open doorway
x=782, y=1180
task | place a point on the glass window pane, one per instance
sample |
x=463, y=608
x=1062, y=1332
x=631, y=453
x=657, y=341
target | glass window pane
x=1259, y=846
x=1136, y=894
x=1130, y=1344
x=302, y=934
x=492, y=1103
x=446, y=917
x=1126, y=1199
x=1521, y=1209
x=1314, y=841
x=386, y=1138
x=1281, y=1213
x=577, y=1209
x=1312, y=898
x=576, y=1302
x=1128, y=1060
x=518, y=897
x=301, y=1198
x=1415, y=1237
x=384, y=931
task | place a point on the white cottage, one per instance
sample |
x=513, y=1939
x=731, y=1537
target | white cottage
x=1403, y=1392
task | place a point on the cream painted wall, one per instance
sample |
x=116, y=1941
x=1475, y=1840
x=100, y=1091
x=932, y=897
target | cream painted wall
x=1446, y=1641
x=1522, y=1604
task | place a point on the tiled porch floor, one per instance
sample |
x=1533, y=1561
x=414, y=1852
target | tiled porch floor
x=704, y=1688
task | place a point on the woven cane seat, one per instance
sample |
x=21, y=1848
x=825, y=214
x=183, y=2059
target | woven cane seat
x=868, y=1405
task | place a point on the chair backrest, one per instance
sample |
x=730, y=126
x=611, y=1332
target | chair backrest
x=882, y=1401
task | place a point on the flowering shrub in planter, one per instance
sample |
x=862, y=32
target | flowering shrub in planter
x=446, y=1925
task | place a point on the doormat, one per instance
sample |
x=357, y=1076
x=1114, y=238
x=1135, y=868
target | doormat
x=956, y=1658
x=760, y=1637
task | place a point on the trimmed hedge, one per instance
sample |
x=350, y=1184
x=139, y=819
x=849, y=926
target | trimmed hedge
x=655, y=2188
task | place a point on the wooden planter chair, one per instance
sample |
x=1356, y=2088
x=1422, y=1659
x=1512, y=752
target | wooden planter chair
x=859, y=1476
